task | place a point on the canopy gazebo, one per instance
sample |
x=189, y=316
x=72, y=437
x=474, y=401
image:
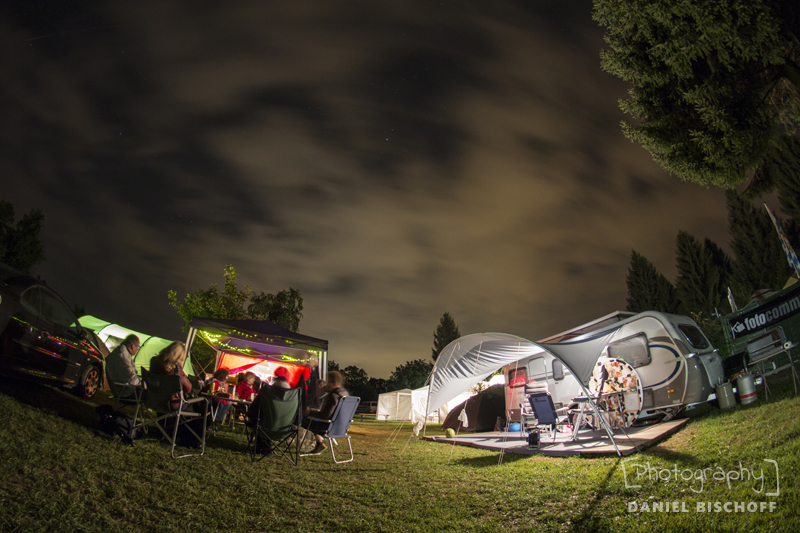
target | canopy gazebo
x=261, y=347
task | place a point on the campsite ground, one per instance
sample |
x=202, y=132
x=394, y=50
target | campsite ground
x=59, y=475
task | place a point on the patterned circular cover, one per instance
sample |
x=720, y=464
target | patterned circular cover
x=624, y=404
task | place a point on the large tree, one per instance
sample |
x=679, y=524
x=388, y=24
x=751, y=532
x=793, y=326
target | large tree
x=785, y=175
x=648, y=289
x=20, y=244
x=698, y=283
x=724, y=267
x=713, y=84
x=446, y=332
x=357, y=383
x=759, y=261
x=284, y=309
x=411, y=375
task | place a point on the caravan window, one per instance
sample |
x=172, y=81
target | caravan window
x=694, y=336
x=558, y=370
x=634, y=350
x=517, y=378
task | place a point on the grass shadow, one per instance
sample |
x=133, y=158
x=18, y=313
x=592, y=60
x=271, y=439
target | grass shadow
x=62, y=403
x=586, y=520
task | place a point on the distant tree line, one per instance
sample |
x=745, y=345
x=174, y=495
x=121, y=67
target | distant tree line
x=409, y=375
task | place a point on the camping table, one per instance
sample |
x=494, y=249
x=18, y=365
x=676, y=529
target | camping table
x=235, y=401
x=582, y=400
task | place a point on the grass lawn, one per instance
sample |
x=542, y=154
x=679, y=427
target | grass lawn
x=59, y=475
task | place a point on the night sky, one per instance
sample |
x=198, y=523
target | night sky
x=391, y=160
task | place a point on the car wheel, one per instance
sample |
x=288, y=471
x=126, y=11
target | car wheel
x=90, y=383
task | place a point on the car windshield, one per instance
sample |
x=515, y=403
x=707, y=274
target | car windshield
x=694, y=336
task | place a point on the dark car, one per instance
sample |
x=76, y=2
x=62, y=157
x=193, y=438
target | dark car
x=41, y=338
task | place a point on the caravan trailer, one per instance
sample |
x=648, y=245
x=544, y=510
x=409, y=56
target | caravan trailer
x=663, y=362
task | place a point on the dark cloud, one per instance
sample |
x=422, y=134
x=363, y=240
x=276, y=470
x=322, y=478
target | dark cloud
x=392, y=161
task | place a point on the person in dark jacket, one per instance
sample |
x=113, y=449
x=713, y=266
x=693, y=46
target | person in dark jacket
x=336, y=392
x=170, y=361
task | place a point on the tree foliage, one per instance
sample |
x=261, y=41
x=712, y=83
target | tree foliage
x=446, y=332
x=724, y=267
x=284, y=308
x=759, y=261
x=357, y=383
x=380, y=385
x=410, y=375
x=712, y=84
x=20, y=244
x=699, y=279
x=648, y=289
x=785, y=174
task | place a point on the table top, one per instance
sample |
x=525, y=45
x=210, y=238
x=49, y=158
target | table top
x=227, y=399
x=604, y=395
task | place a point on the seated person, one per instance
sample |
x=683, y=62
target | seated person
x=279, y=382
x=336, y=392
x=319, y=393
x=217, y=386
x=170, y=361
x=246, y=388
x=120, y=368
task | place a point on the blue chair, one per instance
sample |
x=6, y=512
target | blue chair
x=544, y=410
x=339, y=425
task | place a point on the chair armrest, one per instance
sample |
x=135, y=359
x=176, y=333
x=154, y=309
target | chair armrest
x=195, y=400
x=318, y=419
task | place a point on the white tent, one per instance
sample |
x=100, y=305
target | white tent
x=407, y=404
x=395, y=405
x=419, y=404
x=470, y=359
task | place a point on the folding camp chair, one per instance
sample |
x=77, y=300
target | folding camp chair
x=544, y=410
x=278, y=417
x=160, y=389
x=339, y=424
x=526, y=414
x=128, y=395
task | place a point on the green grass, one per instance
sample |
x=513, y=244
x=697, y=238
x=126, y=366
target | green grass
x=59, y=475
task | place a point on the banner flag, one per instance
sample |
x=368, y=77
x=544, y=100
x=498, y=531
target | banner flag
x=732, y=301
x=791, y=256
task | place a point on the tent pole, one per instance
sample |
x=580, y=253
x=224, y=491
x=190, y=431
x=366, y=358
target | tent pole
x=188, y=345
x=427, y=399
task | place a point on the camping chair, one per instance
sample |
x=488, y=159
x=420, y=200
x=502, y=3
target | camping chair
x=544, y=410
x=527, y=416
x=279, y=413
x=160, y=389
x=129, y=395
x=339, y=424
